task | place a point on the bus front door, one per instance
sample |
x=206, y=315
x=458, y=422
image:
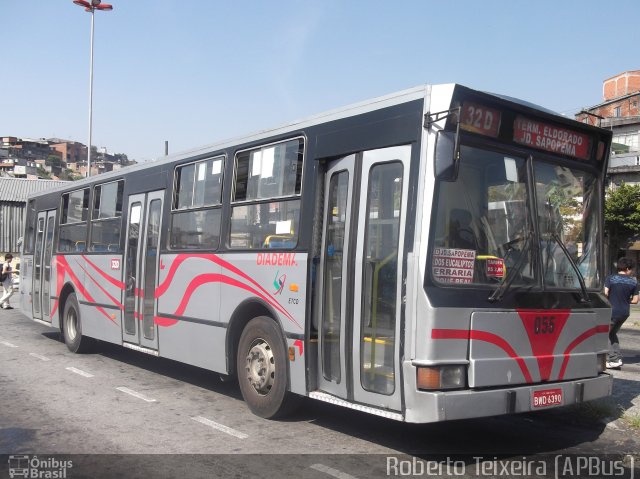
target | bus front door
x=141, y=269
x=360, y=282
x=43, y=253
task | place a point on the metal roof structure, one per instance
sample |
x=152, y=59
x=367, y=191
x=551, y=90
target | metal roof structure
x=16, y=190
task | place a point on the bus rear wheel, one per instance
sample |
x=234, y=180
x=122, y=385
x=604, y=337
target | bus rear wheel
x=72, y=327
x=262, y=369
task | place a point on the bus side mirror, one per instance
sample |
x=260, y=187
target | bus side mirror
x=446, y=155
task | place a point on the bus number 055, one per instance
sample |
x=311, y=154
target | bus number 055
x=544, y=325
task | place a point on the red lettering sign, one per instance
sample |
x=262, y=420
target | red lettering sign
x=276, y=259
x=495, y=267
x=551, y=138
x=480, y=119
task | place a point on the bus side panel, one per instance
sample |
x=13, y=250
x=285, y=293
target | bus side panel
x=96, y=281
x=188, y=310
x=198, y=293
x=197, y=344
x=101, y=296
x=277, y=279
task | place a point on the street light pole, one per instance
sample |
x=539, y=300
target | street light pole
x=91, y=7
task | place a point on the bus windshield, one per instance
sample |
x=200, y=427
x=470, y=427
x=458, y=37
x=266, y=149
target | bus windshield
x=484, y=223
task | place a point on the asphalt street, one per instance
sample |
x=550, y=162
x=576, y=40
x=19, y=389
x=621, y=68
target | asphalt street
x=137, y=412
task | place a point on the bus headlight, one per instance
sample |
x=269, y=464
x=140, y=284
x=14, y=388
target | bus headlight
x=442, y=377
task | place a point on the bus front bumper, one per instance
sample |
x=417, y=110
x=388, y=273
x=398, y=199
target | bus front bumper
x=425, y=406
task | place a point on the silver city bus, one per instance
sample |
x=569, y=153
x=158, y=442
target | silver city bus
x=429, y=255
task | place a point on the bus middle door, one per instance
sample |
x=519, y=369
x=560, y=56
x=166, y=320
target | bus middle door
x=141, y=269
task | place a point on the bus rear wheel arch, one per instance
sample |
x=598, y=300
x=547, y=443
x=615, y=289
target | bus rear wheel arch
x=262, y=369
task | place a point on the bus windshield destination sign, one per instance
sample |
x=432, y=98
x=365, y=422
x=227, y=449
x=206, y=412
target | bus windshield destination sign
x=480, y=119
x=550, y=138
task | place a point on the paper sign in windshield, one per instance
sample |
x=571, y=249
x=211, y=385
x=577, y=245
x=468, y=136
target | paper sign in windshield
x=451, y=265
x=495, y=267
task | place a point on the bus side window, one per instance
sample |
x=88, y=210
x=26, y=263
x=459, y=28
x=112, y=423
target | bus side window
x=266, y=212
x=73, y=221
x=197, y=212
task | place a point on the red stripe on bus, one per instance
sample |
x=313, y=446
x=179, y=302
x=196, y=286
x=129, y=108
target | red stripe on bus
x=162, y=288
x=543, y=327
x=449, y=334
x=62, y=263
x=505, y=346
x=59, y=283
x=213, y=278
x=602, y=329
x=113, y=281
x=486, y=337
x=106, y=293
x=165, y=322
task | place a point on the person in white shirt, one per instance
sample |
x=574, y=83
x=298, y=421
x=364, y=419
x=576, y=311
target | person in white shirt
x=7, y=284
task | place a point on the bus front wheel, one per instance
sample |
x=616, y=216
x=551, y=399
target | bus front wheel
x=72, y=327
x=262, y=369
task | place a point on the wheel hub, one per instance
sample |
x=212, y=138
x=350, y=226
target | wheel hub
x=260, y=367
x=71, y=323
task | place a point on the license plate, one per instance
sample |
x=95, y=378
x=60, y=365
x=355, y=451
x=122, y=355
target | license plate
x=546, y=398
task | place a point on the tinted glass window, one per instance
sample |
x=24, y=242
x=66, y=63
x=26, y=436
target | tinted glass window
x=269, y=172
x=265, y=225
x=195, y=221
x=75, y=206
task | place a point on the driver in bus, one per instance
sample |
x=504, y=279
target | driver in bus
x=460, y=232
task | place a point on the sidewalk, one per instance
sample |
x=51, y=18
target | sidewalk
x=634, y=319
x=626, y=384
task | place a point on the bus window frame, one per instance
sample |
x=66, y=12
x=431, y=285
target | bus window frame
x=274, y=199
x=174, y=210
x=93, y=220
x=84, y=223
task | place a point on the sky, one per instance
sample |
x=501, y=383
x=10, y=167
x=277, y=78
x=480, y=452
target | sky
x=195, y=72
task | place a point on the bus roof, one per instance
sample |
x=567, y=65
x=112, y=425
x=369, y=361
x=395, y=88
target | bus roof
x=397, y=98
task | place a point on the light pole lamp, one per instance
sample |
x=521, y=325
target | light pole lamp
x=91, y=7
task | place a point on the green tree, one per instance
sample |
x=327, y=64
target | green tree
x=55, y=162
x=44, y=174
x=68, y=175
x=621, y=217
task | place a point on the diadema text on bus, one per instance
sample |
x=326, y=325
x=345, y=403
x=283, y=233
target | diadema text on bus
x=430, y=255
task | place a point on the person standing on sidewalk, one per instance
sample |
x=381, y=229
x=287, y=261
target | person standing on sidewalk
x=622, y=290
x=7, y=284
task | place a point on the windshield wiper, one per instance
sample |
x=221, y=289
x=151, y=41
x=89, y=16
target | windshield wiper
x=583, y=286
x=499, y=292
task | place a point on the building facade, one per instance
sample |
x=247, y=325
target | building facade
x=34, y=158
x=620, y=112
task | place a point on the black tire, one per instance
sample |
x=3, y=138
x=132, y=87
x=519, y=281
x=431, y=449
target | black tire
x=72, y=327
x=262, y=369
